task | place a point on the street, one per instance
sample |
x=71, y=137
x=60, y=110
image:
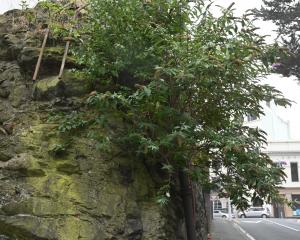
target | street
x=271, y=228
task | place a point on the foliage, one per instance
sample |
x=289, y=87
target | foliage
x=68, y=122
x=25, y=19
x=24, y=5
x=58, y=149
x=285, y=14
x=60, y=17
x=186, y=79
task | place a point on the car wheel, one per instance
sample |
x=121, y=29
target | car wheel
x=243, y=216
x=224, y=217
x=264, y=216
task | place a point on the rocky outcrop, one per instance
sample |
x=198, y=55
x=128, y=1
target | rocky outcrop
x=71, y=84
x=53, y=187
x=80, y=194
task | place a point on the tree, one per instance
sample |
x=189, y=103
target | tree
x=181, y=82
x=285, y=14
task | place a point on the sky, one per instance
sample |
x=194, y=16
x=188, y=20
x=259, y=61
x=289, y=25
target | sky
x=289, y=87
x=6, y=5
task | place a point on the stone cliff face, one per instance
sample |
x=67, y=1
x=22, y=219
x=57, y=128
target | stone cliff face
x=74, y=193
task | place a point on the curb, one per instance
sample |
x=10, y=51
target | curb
x=238, y=227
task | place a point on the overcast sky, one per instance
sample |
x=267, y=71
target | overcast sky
x=11, y=4
x=288, y=86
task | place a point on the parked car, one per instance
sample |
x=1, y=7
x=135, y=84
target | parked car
x=255, y=212
x=221, y=214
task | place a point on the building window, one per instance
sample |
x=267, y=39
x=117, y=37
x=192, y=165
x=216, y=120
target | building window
x=296, y=204
x=251, y=118
x=217, y=205
x=294, y=172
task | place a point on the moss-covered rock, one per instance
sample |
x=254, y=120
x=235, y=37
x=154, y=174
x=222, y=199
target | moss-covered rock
x=48, y=88
x=51, y=60
x=6, y=111
x=68, y=168
x=12, y=85
x=80, y=192
x=25, y=164
x=76, y=83
x=71, y=84
x=10, y=46
x=7, y=150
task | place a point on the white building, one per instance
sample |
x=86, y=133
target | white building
x=287, y=154
x=276, y=128
x=282, y=150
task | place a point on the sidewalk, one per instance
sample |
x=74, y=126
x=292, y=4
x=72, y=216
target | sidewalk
x=225, y=230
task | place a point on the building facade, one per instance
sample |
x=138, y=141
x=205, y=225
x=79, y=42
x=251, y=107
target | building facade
x=282, y=150
x=287, y=155
x=285, y=152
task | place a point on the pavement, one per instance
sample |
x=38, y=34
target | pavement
x=256, y=229
x=223, y=229
x=271, y=228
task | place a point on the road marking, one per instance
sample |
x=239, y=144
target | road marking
x=283, y=225
x=236, y=225
x=245, y=221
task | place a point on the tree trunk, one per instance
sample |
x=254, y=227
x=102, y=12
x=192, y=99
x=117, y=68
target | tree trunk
x=188, y=205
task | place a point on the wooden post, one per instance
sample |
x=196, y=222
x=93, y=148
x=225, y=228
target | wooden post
x=63, y=63
x=38, y=64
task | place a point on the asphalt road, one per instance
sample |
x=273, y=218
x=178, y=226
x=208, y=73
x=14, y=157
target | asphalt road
x=271, y=228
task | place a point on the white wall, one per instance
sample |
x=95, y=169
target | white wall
x=276, y=128
x=285, y=153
